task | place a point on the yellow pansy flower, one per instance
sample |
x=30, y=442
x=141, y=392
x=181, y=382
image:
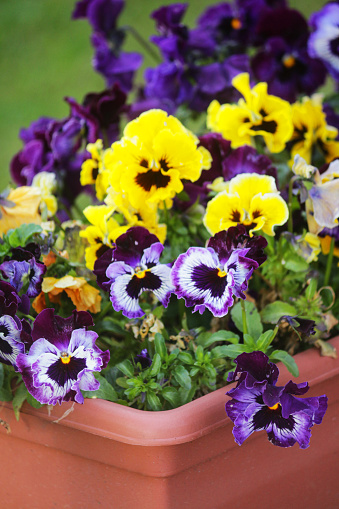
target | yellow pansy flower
x=94, y=171
x=46, y=182
x=154, y=155
x=310, y=130
x=257, y=114
x=102, y=233
x=252, y=200
x=25, y=210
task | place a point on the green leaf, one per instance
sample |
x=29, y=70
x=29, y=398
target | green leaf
x=153, y=401
x=171, y=395
x=33, y=402
x=182, y=377
x=158, y=312
x=231, y=351
x=19, y=398
x=287, y=359
x=295, y=263
x=160, y=345
x=5, y=395
x=2, y=375
x=253, y=319
x=105, y=391
x=21, y=235
x=185, y=357
x=274, y=311
x=249, y=341
x=126, y=367
x=265, y=340
x=311, y=289
x=194, y=371
x=207, y=340
x=122, y=382
x=156, y=365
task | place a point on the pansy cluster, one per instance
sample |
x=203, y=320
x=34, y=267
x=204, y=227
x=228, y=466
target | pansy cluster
x=205, y=252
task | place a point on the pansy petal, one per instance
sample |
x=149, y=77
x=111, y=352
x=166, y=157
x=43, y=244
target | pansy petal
x=152, y=254
x=198, y=279
x=125, y=298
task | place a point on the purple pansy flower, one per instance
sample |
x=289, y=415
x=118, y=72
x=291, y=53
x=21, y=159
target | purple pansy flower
x=62, y=358
x=143, y=358
x=258, y=404
x=22, y=272
x=324, y=41
x=135, y=269
x=283, y=62
x=210, y=277
x=102, y=14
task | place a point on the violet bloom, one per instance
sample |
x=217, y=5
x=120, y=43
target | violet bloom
x=210, y=277
x=258, y=404
x=62, y=358
x=102, y=14
x=283, y=62
x=143, y=359
x=24, y=274
x=135, y=269
x=324, y=41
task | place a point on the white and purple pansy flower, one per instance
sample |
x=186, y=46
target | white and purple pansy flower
x=62, y=358
x=210, y=277
x=10, y=339
x=135, y=269
x=257, y=404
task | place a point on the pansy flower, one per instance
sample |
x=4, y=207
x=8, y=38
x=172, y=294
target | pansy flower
x=283, y=62
x=26, y=202
x=323, y=42
x=135, y=268
x=62, y=358
x=25, y=274
x=102, y=232
x=210, y=277
x=257, y=404
x=155, y=154
x=311, y=131
x=250, y=199
x=257, y=114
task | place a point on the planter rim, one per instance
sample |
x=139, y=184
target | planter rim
x=183, y=424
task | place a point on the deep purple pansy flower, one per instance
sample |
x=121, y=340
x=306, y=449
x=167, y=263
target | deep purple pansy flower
x=102, y=14
x=210, y=277
x=283, y=62
x=143, y=358
x=135, y=268
x=324, y=41
x=10, y=339
x=62, y=358
x=258, y=404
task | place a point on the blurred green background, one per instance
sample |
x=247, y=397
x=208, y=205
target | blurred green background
x=46, y=56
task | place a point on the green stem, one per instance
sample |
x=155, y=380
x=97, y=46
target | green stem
x=166, y=213
x=329, y=262
x=28, y=316
x=143, y=43
x=105, y=310
x=244, y=321
x=290, y=197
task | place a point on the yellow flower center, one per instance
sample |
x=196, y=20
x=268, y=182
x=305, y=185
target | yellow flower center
x=274, y=407
x=236, y=24
x=140, y=273
x=65, y=358
x=222, y=273
x=289, y=61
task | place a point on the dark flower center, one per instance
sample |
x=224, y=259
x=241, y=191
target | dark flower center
x=152, y=178
x=334, y=46
x=5, y=347
x=206, y=278
x=144, y=280
x=235, y=216
x=61, y=371
x=4, y=330
x=268, y=126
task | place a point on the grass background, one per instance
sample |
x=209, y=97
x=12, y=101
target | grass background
x=46, y=56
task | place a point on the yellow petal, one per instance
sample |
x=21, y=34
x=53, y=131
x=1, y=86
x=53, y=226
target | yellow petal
x=270, y=207
x=222, y=212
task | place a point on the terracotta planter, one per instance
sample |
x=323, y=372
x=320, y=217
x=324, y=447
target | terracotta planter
x=107, y=455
